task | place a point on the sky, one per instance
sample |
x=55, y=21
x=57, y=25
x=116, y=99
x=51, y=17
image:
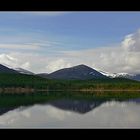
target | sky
x=43, y=42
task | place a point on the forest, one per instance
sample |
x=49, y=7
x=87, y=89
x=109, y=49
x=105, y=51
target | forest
x=31, y=83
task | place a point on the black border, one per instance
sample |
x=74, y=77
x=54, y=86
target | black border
x=69, y=5
x=70, y=134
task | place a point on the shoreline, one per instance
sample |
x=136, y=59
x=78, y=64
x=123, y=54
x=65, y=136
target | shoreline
x=32, y=90
x=89, y=90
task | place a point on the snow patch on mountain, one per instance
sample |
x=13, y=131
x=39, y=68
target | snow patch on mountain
x=92, y=73
x=20, y=70
x=8, y=66
x=111, y=75
x=23, y=71
x=116, y=75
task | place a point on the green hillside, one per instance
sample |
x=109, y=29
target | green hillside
x=22, y=80
x=38, y=83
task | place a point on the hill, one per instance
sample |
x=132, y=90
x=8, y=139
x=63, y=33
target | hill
x=23, y=71
x=4, y=69
x=80, y=72
x=22, y=82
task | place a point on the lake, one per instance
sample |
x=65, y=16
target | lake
x=70, y=110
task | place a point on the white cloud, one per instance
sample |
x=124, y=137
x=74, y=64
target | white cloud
x=31, y=46
x=13, y=61
x=8, y=60
x=26, y=65
x=132, y=42
x=122, y=58
x=57, y=64
x=49, y=13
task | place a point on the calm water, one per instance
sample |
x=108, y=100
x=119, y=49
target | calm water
x=73, y=113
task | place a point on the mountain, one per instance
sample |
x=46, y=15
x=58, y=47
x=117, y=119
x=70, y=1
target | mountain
x=129, y=76
x=135, y=77
x=43, y=75
x=4, y=69
x=116, y=75
x=23, y=71
x=110, y=75
x=18, y=70
x=80, y=72
x=121, y=75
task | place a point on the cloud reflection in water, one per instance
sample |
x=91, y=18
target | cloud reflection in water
x=109, y=114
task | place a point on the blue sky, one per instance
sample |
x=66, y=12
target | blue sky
x=53, y=33
x=78, y=29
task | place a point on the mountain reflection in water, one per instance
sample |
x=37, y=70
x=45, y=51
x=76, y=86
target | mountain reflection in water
x=69, y=112
x=79, y=106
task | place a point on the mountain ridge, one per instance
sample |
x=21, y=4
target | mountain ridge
x=23, y=71
x=4, y=69
x=80, y=72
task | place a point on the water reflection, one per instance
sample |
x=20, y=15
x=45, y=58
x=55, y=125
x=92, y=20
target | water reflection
x=71, y=113
x=5, y=109
x=109, y=114
x=79, y=106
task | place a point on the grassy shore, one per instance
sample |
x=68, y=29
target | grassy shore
x=23, y=99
